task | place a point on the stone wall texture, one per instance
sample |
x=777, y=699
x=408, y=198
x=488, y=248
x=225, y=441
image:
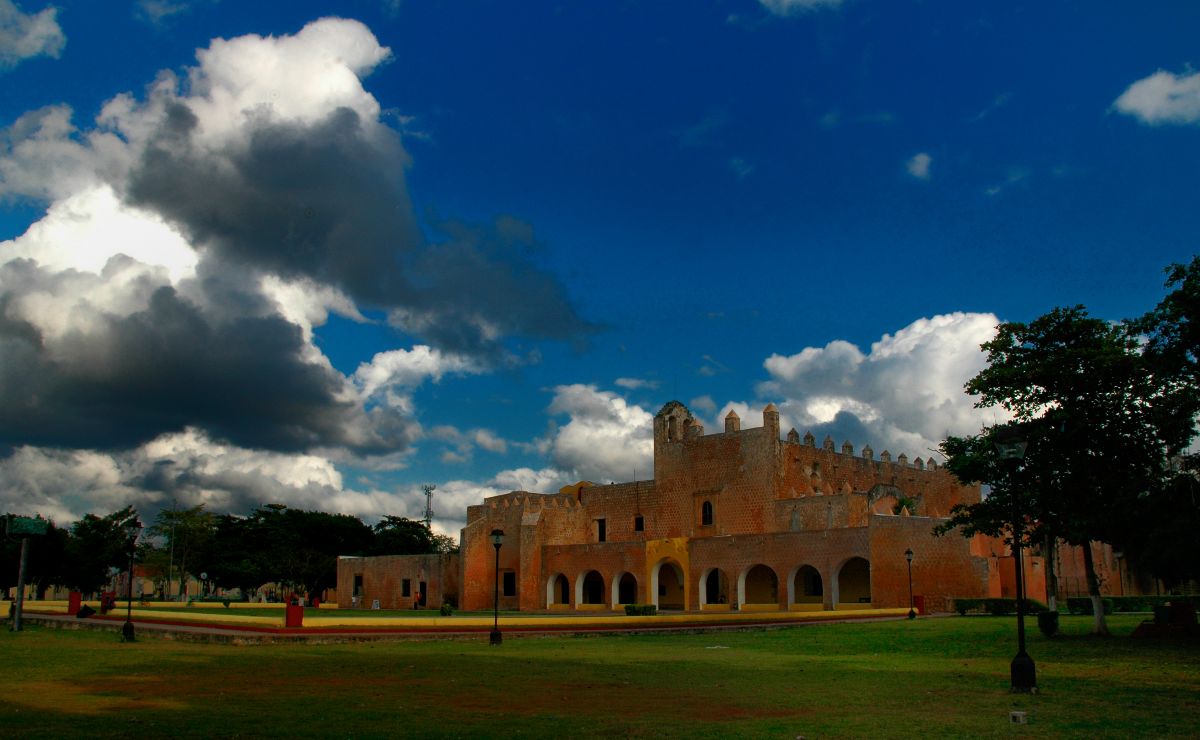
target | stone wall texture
x=740, y=519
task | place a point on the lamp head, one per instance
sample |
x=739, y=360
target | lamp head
x=497, y=536
x=908, y=554
x=133, y=528
x=1010, y=443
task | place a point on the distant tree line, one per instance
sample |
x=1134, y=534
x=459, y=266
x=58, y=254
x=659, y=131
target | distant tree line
x=1109, y=412
x=295, y=549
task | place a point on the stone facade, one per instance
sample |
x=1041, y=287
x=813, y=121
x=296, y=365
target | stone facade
x=397, y=581
x=740, y=519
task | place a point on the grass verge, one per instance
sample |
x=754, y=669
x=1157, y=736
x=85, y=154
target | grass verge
x=932, y=677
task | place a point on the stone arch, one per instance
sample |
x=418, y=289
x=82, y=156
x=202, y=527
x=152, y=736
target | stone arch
x=624, y=589
x=589, y=588
x=805, y=586
x=558, y=591
x=852, y=583
x=666, y=585
x=758, y=584
x=714, y=587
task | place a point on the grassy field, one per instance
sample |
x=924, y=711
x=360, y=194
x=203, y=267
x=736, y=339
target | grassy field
x=941, y=677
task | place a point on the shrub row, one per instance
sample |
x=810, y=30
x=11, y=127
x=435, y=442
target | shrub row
x=1083, y=604
x=640, y=610
x=997, y=607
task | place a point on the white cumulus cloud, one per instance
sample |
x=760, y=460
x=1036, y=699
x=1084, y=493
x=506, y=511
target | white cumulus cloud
x=606, y=439
x=1163, y=98
x=27, y=35
x=792, y=7
x=905, y=395
x=918, y=165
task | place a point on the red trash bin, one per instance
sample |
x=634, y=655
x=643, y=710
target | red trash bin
x=919, y=603
x=294, y=616
x=74, y=601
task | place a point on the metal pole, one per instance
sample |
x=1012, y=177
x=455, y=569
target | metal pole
x=496, y=638
x=912, y=614
x=20, y=605
x=171, y=563
x=1024, y=673
x=127, y=630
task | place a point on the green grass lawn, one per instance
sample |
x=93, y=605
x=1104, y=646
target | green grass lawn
x=942, y=677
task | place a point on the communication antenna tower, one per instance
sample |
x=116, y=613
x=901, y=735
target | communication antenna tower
x=428, y=489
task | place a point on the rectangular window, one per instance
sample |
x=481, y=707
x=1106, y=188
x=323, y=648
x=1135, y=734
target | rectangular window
x=406, y=587
x=510, y=583
x=601, y=533
x=358, y=586
x=639, y=524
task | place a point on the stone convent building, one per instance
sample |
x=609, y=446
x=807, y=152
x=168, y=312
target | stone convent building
x=742, y=519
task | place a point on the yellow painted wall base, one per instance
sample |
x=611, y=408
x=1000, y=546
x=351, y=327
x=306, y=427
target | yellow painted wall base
x=847, y=607
x=714, y=607
x=560, y=607
x=592, y=607
x=759, y=607
x=807, y=607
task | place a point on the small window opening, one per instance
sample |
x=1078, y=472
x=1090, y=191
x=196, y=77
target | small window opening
x=406, y=587
x=510, y=583
x=639, y=524
x=706, y=514
x=601, y=530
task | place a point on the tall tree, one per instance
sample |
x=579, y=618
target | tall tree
x=299, y=549
x=97, y=544
x=235, y=556
x=397, y=535
x=1079, y=387
x=1164, y=530
x=1172, y=333
x=185, y=532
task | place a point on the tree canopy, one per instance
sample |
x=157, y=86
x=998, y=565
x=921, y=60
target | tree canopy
x=1106, y=408
x=293, y=548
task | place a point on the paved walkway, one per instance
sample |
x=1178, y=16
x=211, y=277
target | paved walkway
x=466, y=628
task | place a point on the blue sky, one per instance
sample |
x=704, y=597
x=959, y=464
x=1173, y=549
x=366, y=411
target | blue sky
x=258, y=256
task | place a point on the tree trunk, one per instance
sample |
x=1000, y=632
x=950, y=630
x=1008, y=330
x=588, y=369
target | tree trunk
x=1099, y=625
x=1048, y=555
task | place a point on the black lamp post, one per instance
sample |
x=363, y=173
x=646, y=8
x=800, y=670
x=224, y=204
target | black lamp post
x=1011, y=446
x=497, y=540
x=908, y=556
x=132, y=528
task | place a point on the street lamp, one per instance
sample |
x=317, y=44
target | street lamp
x=908, y=556
x=132, y=528
x=1010, y=445
x=497, y=540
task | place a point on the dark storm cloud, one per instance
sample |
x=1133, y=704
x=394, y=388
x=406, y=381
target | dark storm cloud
x=264, y=176
x=129, y=379
x=328, y=202
x=492, y=268
x=325, y=202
